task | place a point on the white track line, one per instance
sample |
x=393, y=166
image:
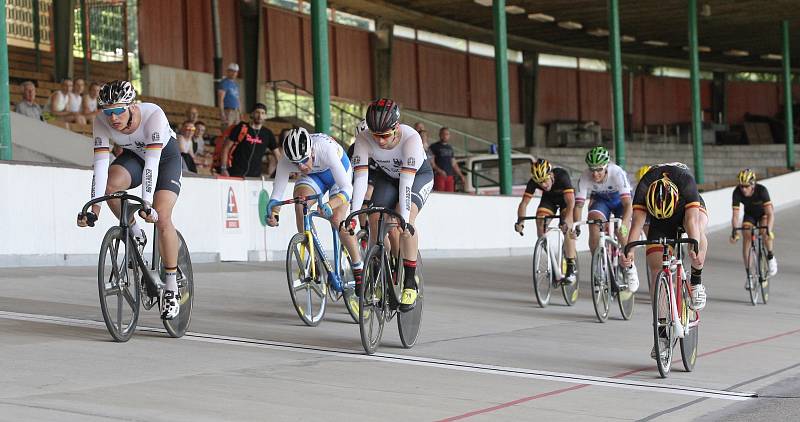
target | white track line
x=412, y=360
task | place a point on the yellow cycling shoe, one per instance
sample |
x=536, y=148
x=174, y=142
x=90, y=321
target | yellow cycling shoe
x=408, y=300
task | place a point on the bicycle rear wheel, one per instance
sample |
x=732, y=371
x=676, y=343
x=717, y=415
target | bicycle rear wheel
x=601, y=283
x=691, y=331
x=118, y=285
x=570, y=291
x=372, y=306
x=625, y=298
x=763, y=274
x=307, y=287
x=177, y=326
x=663, y=332
x=754, y=275
x=348, y=284
x=409, y=323
x=542, y=272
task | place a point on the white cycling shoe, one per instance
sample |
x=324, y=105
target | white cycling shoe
x=698, y=297
x=773, y=266
x=171, y=305
x=632, y=277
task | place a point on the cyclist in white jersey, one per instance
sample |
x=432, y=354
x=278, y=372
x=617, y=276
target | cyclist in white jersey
x=150, y=158
x=606, y=185
x=404, y=182
x=325, y=168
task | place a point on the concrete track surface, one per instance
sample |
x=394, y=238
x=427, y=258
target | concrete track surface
x=486, y=352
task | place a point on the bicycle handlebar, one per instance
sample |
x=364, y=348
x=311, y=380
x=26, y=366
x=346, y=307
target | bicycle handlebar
x=300, y=199
x=544, y=218
x=598, y=221
x=377, y=210
x=116, y=195
x=663, y=242
x=738, y=229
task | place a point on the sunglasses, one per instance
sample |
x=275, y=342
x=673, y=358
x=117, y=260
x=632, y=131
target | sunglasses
x=116, y=111
x=303, y=161
x=384, y=135
x=596, y=169
x=745, y=186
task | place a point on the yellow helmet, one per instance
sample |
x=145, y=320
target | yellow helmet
x=662, y=198
x=540, y=170
x=642, y=170
x=747, y=177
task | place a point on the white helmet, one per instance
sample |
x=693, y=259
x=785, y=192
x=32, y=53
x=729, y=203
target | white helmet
x=362, y=126
x=116, y=92
x=297, y=145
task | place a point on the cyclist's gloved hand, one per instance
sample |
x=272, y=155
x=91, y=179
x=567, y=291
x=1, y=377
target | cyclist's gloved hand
x=325, y=210
x=519, y=227
x=149, y=214
x=87, y=219
x=273, y=208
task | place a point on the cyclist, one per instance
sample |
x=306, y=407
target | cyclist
x=325, y=168
x=606, y=185
x=557, y=195
x=668, y=194
x=362, y=127
x=150, y=157
x=757, y=212
x=404, y=181
x=639, y=174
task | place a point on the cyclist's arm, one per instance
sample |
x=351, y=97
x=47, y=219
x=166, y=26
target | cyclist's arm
x=735, y=206
x=580, y=197
x=637, y=223
x=569, y=200
x=158, y=133
x=413, y=157
x=102, y=159
x=625, y=197
x=768, y=208
x=342, y=179
x=523, y=206
x=696, y=231
x=281, y=180
x=361, y=172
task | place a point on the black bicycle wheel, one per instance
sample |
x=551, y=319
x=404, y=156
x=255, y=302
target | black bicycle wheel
x=571, y=291
x=118, y=285
x=625, y=298
x=601, y=284
x=372, y=306
x=177, y=326
x=763, y=274
x=409, y=323
x=542, y=272
x=663, y=332
x=754, y=275
x=348, y=284
x=307, y=286
x=691, y=331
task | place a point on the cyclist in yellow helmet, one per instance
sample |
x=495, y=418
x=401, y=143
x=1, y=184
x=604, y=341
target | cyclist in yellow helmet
x=668, y=194
x=558, y=195
x=757, y=211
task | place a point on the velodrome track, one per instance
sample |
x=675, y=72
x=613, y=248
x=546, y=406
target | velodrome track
x=486, y=352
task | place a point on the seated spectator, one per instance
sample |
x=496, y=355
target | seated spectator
x=185, y=145
x=192, y=115
x=89, y=106
x=202, y=154
x=28, y=106
x=246, y=145
x=75, y=102
x=58, y=104
x=444, y=164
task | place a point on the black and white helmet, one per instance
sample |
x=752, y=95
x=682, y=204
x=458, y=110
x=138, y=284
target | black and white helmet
x=362, y=127
x=297, y=145
x=116, y=92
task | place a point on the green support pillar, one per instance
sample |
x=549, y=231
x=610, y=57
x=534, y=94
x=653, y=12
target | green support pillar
x=697, y=118
x=787, y=95
x=63, y=19
x=501, y=83
x=319, y=47
x=5, y=108
x=616, y=81
x=251, y=24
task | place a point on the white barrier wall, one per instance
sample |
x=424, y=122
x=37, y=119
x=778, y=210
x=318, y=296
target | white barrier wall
x=219, y=219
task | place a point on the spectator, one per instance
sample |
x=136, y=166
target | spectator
x=202, y=154
x=89, y=107
x=228, y=97
x=185, y=145
x=58, y=104
x=424, y=135
x=192, y=114
x=246, y=145
x=419, y=127
x=444, y=164
x=75, y=102
x=28, y=106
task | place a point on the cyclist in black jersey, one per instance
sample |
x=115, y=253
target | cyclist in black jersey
x=558, y=197
x=668, y=194
x=758, y=211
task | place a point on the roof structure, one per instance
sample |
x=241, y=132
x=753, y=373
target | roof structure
x=734, y=35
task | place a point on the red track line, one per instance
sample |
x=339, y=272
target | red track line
x=620, y=375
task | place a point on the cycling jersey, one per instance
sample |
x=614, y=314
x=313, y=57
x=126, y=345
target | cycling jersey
x=754, y=204
x=688, y=197
x=153, y=134
x=552, y=200
x=330, y=170
x=403, y=162
x=606, y=195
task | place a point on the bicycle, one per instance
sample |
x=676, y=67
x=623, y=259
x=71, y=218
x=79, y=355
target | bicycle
x=757, y=265
x=548, y=273
x=383, y=287
x=608, y=282
x=120, y=259
x=673, y=318
x=304, y=269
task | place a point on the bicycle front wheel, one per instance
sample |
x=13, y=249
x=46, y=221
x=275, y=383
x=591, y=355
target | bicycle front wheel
x=753, y=275
x=570, y=291
x=118, y=285
x=601, y=284
x=625, y=298
x=691, y=331
x=408, y=323
x=372, y=306
x=177, y=327
x=763, y=274
x=542, y=272
x=307, y=287
x=663, y=332
x=348, y=284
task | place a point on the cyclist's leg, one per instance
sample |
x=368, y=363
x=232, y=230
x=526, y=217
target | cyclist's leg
x=384, y=194
x=305, y=186
x=765, y=233
x=748, y=222
x=598, y=209
x=546, y=208
x=420, y=190
x=124, y=173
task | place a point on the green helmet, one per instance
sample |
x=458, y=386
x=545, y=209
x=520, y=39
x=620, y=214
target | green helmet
x=597, y=156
